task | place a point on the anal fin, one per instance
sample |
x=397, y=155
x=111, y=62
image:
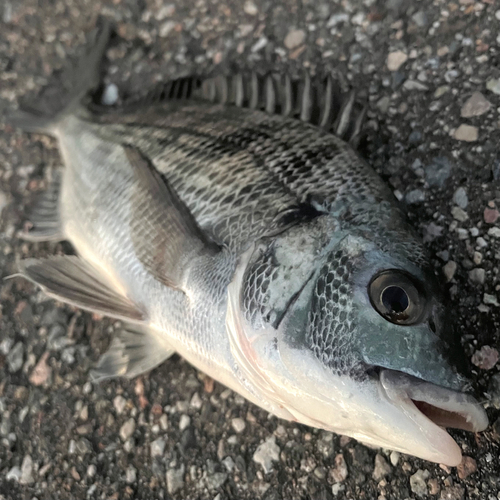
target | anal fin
x=44, y=214
x=135, y=349
x=74, y=281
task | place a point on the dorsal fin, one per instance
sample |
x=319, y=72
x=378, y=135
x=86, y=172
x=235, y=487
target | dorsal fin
x=325, y=101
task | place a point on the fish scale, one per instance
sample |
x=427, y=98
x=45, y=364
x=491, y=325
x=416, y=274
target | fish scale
x=259, y=247
x=270, y=158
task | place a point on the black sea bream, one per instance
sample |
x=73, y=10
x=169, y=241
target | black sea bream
x=259, y=247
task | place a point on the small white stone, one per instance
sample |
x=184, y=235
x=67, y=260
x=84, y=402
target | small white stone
x=27, y=470
x=127, y=429
x=163, y=422
x=119, y=404
x=417, y=482
x=490, y=300
x=157, y=447
x=238, y=425
x=14, y=474
x=449, y=270
x=294, y=39
x=131, y=474
x=267, y=453
x=110, y=95
x=396, y=59
x=494, y=231
x=466, y=133
x=250, y=8
x=196, y=401
x=184, y=422
x=395, y=456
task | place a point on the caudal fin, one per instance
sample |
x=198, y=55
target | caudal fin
x=84, y=78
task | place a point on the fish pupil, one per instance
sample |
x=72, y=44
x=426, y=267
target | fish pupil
x=395, y=299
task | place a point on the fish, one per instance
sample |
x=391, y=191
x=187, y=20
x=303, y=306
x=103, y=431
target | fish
x=232, y=222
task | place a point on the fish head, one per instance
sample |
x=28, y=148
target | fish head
x=342, y=333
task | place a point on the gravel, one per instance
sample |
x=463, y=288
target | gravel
x=428, y=73
x=267, y=453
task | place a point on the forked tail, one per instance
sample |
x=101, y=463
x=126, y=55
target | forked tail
x=85, y=77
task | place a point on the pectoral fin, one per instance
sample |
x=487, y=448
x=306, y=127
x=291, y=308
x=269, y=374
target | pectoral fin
x=165, y=234
x=73, y=281
x=135, y=349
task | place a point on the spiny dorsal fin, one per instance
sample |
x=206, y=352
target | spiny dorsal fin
x=165, y=234
x=322, y=101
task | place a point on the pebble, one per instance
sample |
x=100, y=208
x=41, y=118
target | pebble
x=476, y=105
x=493, y=85
x=15, y=357
x=337, y=488
x=127, y=429
x=490, y=300
x=466, y=467
x=119, y=403
x=460, y=198
x=395, y=456
x=175, y=479
x=414, y=85
x=382, y=468
x=438, y=171
x=433, y=486
x=27, y=470
x=259, y=45
x=383, y=104
x=184, y=422
x=494, y=231
x=91, y=471
x=485, y=358
x=467, y=133
x=449, y=270
x=417, y=482
x=477, y=276
x=250, y=8
x=294, y=39
x=157, y=447
x=82, y=446
x=238, y=425
x=110, y=95
x=228, y=463
x=415, y=196
x=325, y=444
x=491, y=215
x=459, y=214
x=131, y=475
x=340, y=472
x=41, y=372
x=14, y=474
x=163, y=422
x=452, y=493
x=267, y=453
x=216, y=480
x=196, y=402
x=396, y=59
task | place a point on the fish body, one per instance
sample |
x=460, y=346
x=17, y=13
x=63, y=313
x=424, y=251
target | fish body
x=264, y=251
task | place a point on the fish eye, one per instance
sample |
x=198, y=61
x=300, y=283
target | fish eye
x=397, y=297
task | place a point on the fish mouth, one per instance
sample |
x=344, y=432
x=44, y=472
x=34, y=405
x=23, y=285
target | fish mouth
x=432, y=408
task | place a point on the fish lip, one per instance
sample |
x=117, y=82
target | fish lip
x=411, y=395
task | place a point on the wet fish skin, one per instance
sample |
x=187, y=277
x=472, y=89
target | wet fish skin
x=259, y=248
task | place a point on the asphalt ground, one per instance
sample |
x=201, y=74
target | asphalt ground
x=430, y=72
